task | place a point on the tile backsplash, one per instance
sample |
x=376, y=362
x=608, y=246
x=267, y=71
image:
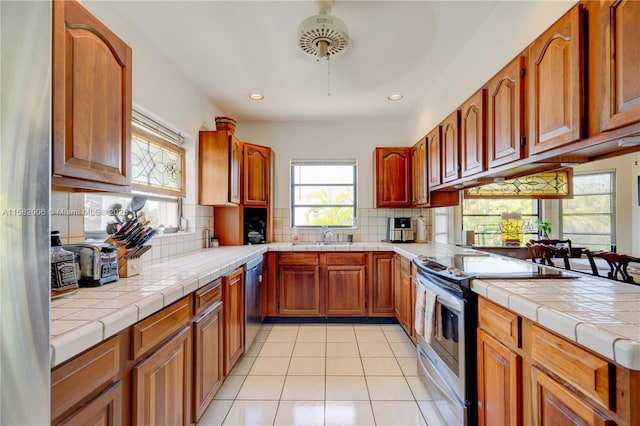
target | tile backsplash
x=67, y=216
x=371, y=225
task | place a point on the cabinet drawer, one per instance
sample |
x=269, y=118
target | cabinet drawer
x=503, y=324
x=153, y=330
x=82, y=376
x=298, y=258
x=207, y=296
x=343, y=258
x=590, y=374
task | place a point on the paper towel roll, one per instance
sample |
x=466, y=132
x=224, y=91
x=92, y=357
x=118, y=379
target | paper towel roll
x=420, y=227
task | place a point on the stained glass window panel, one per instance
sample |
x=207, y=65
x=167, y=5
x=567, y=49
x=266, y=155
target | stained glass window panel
x=157, y=166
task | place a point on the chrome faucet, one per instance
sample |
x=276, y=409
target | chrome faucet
x=326, y=232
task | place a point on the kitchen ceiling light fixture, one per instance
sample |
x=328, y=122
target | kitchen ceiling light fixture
x=323, y=35
x=395, y=97
x=256, y=96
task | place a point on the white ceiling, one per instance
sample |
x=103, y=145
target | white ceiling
x=232, y=48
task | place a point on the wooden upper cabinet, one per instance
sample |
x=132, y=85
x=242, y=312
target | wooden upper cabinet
x=451, y=147
x=235, y=158
x=91, y=95
x=433, y=157
x=420, y=186
x=219, y=160
x=620, y=64
x=392, y=177
x=505, y=109
x=473, y=134
x=257, y=175
x=556, y=84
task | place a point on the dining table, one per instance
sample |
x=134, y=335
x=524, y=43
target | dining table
x=581, y=264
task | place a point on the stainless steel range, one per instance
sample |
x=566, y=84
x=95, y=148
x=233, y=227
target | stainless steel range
x=447, y=338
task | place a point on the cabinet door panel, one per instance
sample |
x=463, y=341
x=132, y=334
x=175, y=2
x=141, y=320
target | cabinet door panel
x=235, y=158
x=345, y=290
x=620, y=64
x=556, y=84
x=256, y=166
x=104, y=410
x=91, y=94
x=233, y=306
x=450, y=147
x=208, y=365
x=472, y=134
x=555, y=405
x=406, y=305
x=382, y=289
x=419, y=181
x=300, y=290
x=161, y=384
x=505, y=114
x=499, y=383
x=433, y=151
x=393, y=186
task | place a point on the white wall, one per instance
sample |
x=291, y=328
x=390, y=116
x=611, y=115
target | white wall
x=324, y=140
x=511, y=27
x=160, y=90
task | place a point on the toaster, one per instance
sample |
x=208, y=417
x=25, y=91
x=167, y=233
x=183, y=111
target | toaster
x=96, y=263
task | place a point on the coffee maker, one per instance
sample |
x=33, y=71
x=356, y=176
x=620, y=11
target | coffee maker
x=400, y=230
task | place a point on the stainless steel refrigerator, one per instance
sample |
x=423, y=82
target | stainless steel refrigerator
x=25, y=111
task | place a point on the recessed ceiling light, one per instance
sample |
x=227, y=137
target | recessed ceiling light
x=395, y=97
x=256, y=96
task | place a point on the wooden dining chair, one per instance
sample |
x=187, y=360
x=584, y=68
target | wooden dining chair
x=556, y=243
x=617, y=265
x=544, y=254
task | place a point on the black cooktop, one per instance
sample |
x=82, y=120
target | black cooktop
x=490, y=266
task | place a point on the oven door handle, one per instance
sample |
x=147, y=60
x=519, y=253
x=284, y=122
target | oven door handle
x=450, y=301
x=428, y=368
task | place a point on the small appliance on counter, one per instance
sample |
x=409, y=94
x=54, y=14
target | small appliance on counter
x=400, y=230
x=255, y=226
x=97, y=263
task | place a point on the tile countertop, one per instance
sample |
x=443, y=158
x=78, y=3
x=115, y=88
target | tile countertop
x=599, y=314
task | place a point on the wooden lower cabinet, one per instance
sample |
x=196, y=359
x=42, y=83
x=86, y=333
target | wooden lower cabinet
x=556, y=405
x=299, y=290
x=499, y=383
x=208, y=368
x=104, y=410
x=98, y=396
x=345, y=290
x=233, y=306
x=382, y=291
x=404, y=298
x=322, y=284
x=528, y=376
x=161, y=384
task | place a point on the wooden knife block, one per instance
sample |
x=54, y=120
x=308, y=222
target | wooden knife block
x=126, y=267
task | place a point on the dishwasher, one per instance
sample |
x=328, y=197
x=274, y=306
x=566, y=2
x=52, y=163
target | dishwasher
x=252, y=300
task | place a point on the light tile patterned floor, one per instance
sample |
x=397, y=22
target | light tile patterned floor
x=325, y=374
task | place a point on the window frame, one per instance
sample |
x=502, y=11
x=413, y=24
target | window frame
x=611, y=213
x=165, y=144
x=326, y=162
x=537, y=216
